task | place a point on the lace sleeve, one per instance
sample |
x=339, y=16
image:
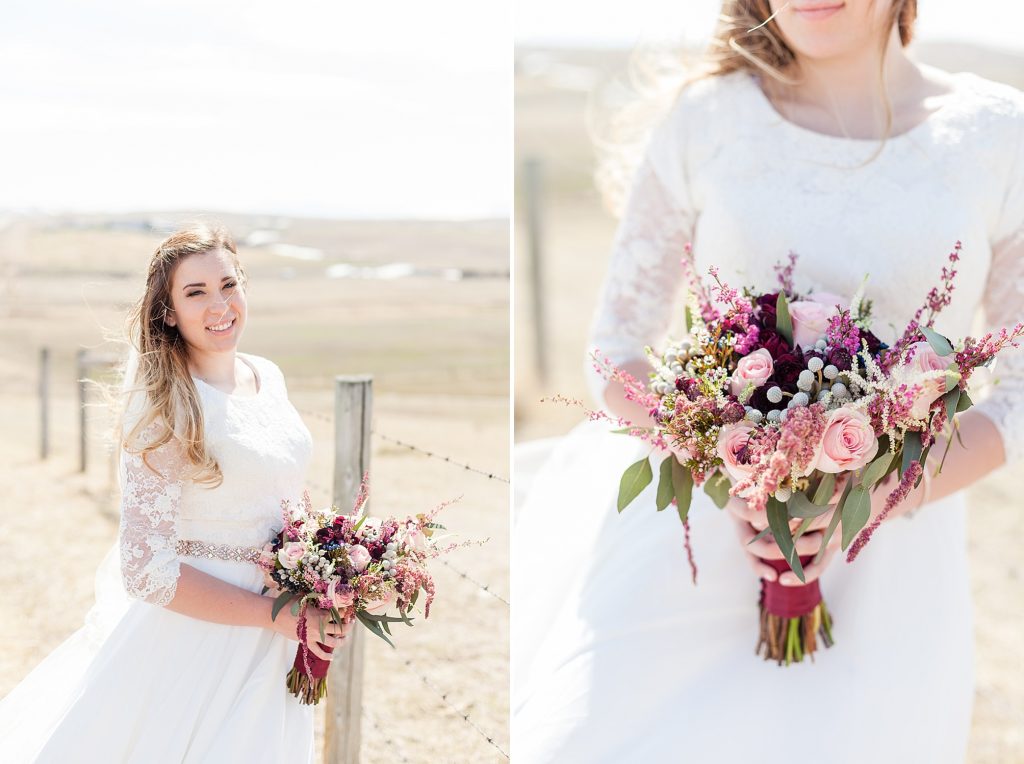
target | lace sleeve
x=1003, y=306
x=643, y=283
x=150, y=494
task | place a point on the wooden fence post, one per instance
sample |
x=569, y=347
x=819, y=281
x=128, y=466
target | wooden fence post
x=80, y=372
x=353, y=405
x=44, y=403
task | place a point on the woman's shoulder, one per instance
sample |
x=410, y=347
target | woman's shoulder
x=267, y=369
x=704, y=95
x=988, y=105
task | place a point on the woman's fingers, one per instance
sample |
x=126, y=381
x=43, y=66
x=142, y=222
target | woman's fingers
x=812, y=571
x=317, y=650
x=767, y=549
x=760, y=568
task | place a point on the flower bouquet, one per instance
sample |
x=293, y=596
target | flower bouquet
x=354, y=566
x=788, y=400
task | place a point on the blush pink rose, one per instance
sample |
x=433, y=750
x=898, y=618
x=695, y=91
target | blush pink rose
x=754, y=368
x=810, y=320
x=830, y=300
x=290, y=554
x=338, y=599
x=359, y=556
x=381, y=606
x=849, y=442
x=731, y=439
x=416, y=540
x=926, y=359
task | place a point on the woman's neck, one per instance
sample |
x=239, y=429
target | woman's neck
x=214, y=368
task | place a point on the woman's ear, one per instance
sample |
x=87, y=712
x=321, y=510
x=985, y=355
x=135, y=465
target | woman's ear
x=169, y=318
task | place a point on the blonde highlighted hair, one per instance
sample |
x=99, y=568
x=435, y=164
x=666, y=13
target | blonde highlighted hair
x=158, y=391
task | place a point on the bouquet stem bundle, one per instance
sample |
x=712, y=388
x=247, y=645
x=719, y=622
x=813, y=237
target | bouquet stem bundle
x=792, y=619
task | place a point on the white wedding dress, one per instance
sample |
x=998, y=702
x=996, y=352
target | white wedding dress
x=618, y=656
x=141, y=683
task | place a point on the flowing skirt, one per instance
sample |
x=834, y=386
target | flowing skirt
x=618, y=657
x=140, y=683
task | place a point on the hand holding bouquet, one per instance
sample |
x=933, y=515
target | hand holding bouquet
x=778, y=398
x=353, y=566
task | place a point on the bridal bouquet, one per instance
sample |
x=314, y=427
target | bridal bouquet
x=354, y=566
x=788, y=400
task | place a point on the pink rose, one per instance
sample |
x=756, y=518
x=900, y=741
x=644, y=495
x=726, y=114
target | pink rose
x=416, y=540
x=359, y=556
x=338, y=599
x=830, y=300
x=848, y=443
x=926, y=359
x=732, y=438
x=291, y=553
x=381, y=606
x=754, y=368
x=810, y=320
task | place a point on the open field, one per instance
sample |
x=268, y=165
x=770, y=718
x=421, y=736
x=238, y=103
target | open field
x=556, y=90
x=438, y=350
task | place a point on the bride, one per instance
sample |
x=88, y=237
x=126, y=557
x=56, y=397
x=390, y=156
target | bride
x=810, y=130
x=179, y=660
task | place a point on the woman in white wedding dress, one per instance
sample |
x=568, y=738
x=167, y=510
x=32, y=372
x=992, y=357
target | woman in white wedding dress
x=617, y=656
x=179, y=659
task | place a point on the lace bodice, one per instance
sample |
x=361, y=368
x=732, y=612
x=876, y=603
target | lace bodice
x=263, y=449
x=724, y=170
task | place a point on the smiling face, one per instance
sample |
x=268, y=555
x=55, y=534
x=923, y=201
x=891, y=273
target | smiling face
x=827, y=29
x=208, y=302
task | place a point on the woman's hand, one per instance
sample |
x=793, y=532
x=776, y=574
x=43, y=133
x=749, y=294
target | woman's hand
x=287, y=625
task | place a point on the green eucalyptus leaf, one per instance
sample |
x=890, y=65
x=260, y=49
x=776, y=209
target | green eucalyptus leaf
x=682, y=487
x=634, y=480
x=279, y=603
x=783, y=321
x=800, y=506
x=911, y=450
x=760, y=535
x=876, y=470
x=825, y=489
x=296, y=606
x=665, y=490
x=778, y=521
x=374, y=627
x=951, y=400
x=964, y=403
x=717, y=487
x=323, y=632
x=939, y=344
x=856, y=511
x=687, y=319
x=834, y=522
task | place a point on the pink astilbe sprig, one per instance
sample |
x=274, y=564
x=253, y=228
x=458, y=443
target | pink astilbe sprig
x=784, y=273
x=978, y=352
x=937, y=299
x=795, y=449
x=695, y=286
x=633, y=389
x=689, y=549
x=910, y=476
x=648, y=434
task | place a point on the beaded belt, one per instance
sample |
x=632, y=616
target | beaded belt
x=192, y=548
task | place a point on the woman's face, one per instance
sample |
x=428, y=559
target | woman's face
x=829, y=29
x=208, y=302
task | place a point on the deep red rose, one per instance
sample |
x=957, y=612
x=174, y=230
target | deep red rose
x=773, y=342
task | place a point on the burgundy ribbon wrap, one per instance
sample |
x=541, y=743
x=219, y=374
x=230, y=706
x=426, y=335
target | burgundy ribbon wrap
x=789, y=601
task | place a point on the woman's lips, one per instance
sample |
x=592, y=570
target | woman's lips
x=816, y=12
x=230, y=326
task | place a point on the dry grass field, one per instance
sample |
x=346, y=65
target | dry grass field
x=557, y=91
x=438, y=351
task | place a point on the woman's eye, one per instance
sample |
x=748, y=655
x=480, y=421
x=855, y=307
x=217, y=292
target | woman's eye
x=229, y=285
x=193, y=294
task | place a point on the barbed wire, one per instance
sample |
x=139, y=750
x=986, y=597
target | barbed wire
x=483, y=587
x=490, y=475
x=465, y=717
x=387, y=738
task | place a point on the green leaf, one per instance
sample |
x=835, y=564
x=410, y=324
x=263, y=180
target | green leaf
x=682, y=486
x=665, y=491
x=876, y=470
x=279, y=603
x=964, y=403
x=800, y=506
x=717, y=487
x=825, y=489
x=939, y=344
x=951, y=400
x=323, y=632
x=384, y=618
x=802, y=528
x=856, y=511
x=634, y=480
x=264, y=590
x=911, y=450
x=760, y=535
x=687, y=319
x=336, y=615
x=295, y=607
x=783, y=321
x=778, y=521
x=833, y=523
x=373, y=626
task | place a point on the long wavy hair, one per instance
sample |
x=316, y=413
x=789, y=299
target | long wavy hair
x=156, y=384
x=746, y=38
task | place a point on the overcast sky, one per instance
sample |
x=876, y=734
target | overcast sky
x=399, y=109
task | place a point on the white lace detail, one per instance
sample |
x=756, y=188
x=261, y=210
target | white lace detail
x=642, y=288
x=150, y=500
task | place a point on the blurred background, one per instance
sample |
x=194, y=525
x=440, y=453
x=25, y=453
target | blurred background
x=360, y=158
x=576, y=66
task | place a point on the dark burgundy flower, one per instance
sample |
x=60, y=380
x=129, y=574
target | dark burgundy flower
x=765, y=310
x=733, y=412
x=773, y=342
x=688, y=387
x=840, y=358
x=325, y=535
x=787, y=370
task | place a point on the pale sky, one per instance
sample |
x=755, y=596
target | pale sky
x=582, y=23
x=399, y=109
